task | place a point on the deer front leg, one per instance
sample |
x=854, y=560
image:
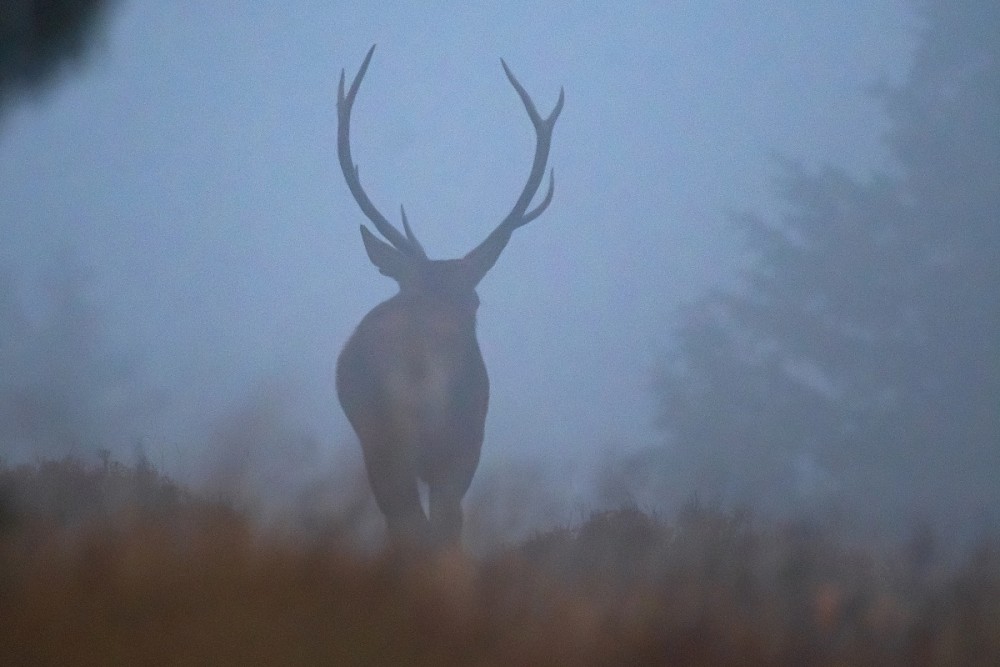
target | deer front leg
x=394, y=484
x=446, y=515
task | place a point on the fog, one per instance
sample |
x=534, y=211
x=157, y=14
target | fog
x=177, y=185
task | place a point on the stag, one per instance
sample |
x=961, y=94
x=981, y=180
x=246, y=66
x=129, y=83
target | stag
x=411, y=378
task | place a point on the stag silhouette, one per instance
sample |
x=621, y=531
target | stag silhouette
x=411, y=378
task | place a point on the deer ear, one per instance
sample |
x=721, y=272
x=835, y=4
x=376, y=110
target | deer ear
x=390, y=262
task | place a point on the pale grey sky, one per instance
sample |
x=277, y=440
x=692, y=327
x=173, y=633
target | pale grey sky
x=190, y=165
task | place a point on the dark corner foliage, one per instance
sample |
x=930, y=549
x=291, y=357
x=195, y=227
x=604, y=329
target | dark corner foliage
x=40, y=37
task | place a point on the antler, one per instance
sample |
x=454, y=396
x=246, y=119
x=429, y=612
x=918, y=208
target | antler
x=407, y=244
x=483, y=256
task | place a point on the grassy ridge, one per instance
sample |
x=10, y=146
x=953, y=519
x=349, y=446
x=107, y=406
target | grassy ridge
x=116, y=564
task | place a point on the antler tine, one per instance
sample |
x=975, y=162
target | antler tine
x=409, y=233
x=407, y=244
x=543, y=134
x=538, y=210
x=481, y=259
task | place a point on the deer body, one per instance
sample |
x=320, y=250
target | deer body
x=411, y=378
x=414, y=387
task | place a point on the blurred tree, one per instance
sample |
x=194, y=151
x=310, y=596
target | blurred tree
x=63, y=388
x=859, y=361
x=38, y=37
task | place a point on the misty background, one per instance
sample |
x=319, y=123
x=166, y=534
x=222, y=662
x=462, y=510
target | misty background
x=767, y=276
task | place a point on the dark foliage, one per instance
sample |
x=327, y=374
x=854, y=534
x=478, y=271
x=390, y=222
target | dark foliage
x=69, y=492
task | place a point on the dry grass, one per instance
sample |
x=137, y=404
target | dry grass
x=116, y=565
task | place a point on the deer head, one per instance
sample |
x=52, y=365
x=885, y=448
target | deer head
x=411, y=378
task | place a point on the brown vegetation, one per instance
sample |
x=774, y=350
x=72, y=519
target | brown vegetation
x=115, y=564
